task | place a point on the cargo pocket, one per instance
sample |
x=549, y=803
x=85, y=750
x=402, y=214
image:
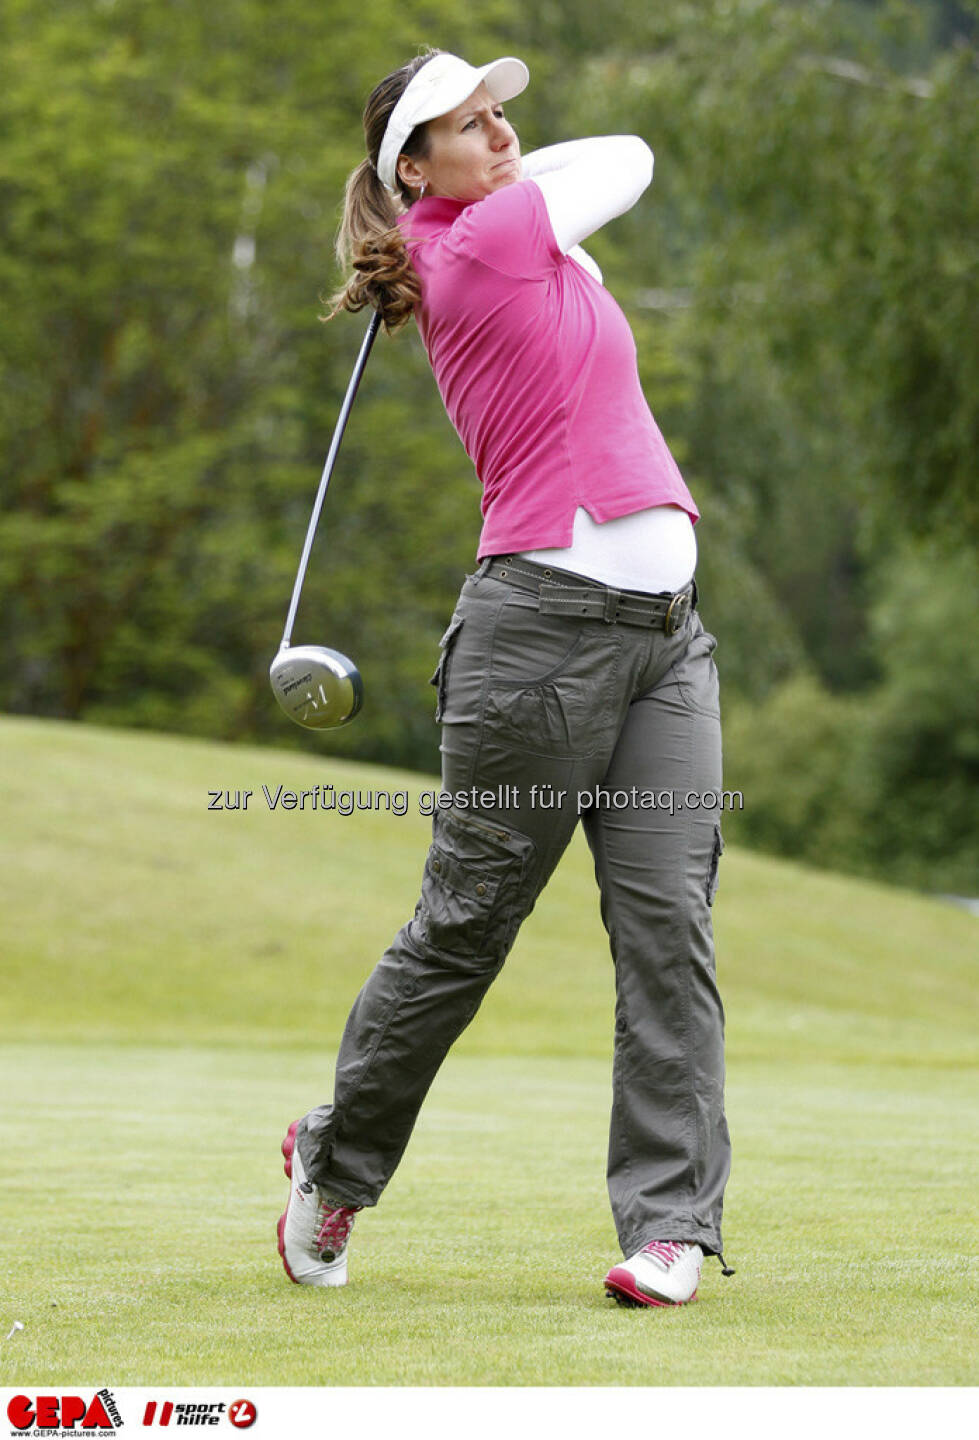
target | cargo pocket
x=717, y=850
x=474, y=890
x=551, y=684
x=441, y=676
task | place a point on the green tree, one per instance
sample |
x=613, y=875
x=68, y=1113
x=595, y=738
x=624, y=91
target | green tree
x=802, y=283
x=168, y=194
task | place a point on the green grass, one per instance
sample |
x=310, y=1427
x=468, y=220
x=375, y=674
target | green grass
x=172, y=982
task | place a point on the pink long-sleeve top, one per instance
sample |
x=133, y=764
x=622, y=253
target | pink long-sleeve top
x=537, y=368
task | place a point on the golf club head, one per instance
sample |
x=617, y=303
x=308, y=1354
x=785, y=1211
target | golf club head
x=316, y=687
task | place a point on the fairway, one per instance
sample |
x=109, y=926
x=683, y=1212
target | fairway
x=173, y=984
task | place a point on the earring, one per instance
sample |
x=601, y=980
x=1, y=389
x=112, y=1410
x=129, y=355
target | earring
x=421, y=193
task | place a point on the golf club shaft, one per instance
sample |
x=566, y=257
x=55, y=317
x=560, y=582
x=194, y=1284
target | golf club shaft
x=341, y=425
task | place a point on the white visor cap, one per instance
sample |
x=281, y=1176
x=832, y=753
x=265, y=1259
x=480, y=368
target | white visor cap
x=439, y=86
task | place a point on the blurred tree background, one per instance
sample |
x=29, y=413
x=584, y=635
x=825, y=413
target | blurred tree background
x=802, y=280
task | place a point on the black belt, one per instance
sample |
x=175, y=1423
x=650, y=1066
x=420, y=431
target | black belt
x=563, y=593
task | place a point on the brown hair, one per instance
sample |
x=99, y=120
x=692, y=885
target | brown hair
x=369, y=241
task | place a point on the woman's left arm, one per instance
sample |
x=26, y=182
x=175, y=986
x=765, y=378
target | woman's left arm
x=586, y=183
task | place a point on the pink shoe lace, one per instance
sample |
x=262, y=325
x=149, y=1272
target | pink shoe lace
x=333, y=1233
x=664, y=1250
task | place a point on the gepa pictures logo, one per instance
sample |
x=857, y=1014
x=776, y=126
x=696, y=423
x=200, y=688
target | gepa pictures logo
x=69, y=1414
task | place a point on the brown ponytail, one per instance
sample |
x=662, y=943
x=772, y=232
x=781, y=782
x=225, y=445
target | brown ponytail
x=369, y=241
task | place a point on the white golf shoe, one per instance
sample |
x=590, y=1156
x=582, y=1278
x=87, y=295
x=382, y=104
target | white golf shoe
x=664, y=1272
x=313, y=1231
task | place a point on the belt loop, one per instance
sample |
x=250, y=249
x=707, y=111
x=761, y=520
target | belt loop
x=612, y=598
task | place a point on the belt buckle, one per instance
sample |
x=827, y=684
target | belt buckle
x=678, y=611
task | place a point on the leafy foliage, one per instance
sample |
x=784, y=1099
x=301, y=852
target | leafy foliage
x=802, y=282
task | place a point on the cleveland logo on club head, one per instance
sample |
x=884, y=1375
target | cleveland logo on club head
x=302, y=680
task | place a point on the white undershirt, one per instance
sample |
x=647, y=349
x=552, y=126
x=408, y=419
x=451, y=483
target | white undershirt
x=586, y=183
x=649, y=550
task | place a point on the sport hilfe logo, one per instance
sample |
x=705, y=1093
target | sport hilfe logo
x=241, y=1413
x=64, y=1412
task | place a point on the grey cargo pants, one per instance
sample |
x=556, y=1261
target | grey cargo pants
x=530, y=699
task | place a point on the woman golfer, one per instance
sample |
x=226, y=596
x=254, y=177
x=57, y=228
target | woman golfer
x=576, y=680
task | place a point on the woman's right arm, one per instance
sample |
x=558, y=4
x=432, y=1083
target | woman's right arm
x=586, y=183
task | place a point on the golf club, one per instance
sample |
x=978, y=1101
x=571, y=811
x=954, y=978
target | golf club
x=318, y=687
